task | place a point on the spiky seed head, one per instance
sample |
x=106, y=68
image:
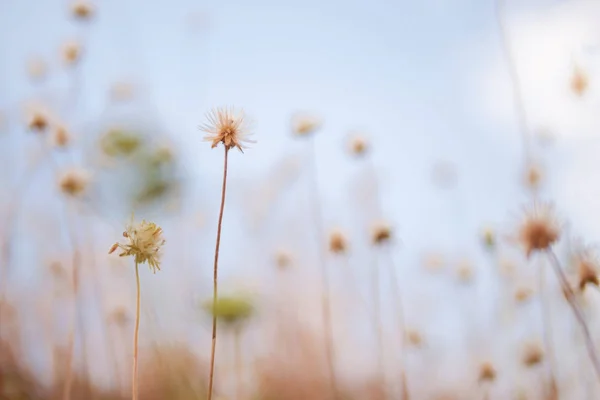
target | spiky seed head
x=586, y=262
x=82, y=10
x=305, y=124
x=74, y=181
x=283, y=259
x=381, y=232
x=36, y=69
x=227, y=126
x=337, y=242
x=539, y=229
x=60, y=136
x=532, y=355
x=487, y=372
x=71, y=52
x=144, y=243
x=580, y=81
x=358, y=145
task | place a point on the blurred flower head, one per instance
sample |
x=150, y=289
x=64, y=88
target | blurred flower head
x=230, y=309
x=304, y=124
x=74, y=181
x=539, y=229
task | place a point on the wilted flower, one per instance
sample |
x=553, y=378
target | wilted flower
x=144, y=242
x=230, y=308
x=304, y=124
x=73, y=182
x=337, y=242
x=539, y=229
x=227, y=126
x=533, y=176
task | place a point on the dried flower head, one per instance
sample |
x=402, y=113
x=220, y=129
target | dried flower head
x=381, y=232
x=38, y=120
x=304, y=124
x=579, y=81
x=337, y=242
x=283, y=259
x=144, y=243
x=586, y=262
x=533, y=354
x=539, y=229
x=230, y=308
x=36, y=69
x=487, y=372
x=227, y=126
x=71, y=52
x=534, y=174
x=74, y=181
x=60, y=136
x=82, y=9
x=358, y=145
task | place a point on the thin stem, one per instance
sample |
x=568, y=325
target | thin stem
x=74, y=317
x=377, y=320
x=325, y=303
x=547, y=326
x=215, y=276
x=572, y=300
x=136, y=332
x=515, y=80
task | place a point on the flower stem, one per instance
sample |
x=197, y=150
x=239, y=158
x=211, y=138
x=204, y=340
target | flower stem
x=572, y=300
x=325, y=303
x=215, y=276
x=134, y=372
x=378, y=324
x=547, y=327
x=237, y=350
x=74, y=317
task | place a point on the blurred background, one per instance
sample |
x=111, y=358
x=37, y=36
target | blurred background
x=433, y=123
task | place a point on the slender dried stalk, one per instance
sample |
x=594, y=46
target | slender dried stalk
x=547, y=328
x=572, y=300
x=377, y=322
x=325, y=303
x=71, y=345
x=215, y=277
x=134, y=371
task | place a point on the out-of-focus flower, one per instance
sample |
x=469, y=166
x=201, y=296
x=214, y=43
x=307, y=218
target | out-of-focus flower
x=117, y=142
x=304, y=124
x=358, y=145
x=71, y=52
x=337, y=242
x=539, y=229
x=74, y=181
x=82, y=10
x=381, y=232
x=580, y=81
x=230, y=309
x=36, y=69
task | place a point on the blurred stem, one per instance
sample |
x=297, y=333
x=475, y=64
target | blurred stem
x=572, y=300
x=547, y=326
x=71, y=345
x=134, y=372
x=377, y=322
x=325, y=303
x=237, y=355
x=215, y=276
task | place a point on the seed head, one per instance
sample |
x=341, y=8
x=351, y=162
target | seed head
x=487, y=372
x=71, y=52
x=82, y=10
x=337, y=242
x=539, y=229
x=533, y=354
x=358, y=145
x=144, y=243
x=579, y=81
x=304, y=124
x=227, y=126
x=73, y=182
x=381, y=233
x=586, y=262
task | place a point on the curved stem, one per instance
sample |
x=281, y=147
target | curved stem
x=325, y=303
x=572, y=300
x=215, y=276
x=134, y=372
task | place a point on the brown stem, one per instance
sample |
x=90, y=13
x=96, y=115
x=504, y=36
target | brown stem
x=325, y=303
x=134, y=371
x=547, y=327
x=572, y=300
x=215, y=275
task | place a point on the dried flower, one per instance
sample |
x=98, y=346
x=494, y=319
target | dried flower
x=579, y=81
x=304, y=124
x=337, y=242
x=358, y=145
x=532, y=354
x=230, y=308
x=227, y=126
x=487, y=372
x=82, y=9
x=381, y=232
x=586, y=262
x=60, y=136
x=73, y=182
x=71, y=52
x=38, y=120
x=144, y=242
x=539, y=229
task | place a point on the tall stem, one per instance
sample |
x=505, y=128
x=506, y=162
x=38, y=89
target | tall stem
x=572, y=300
x=325, y=304
x=136, y=332
x=74, y=318
x=377, y=319
x=215, y=276
x=547, y=328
